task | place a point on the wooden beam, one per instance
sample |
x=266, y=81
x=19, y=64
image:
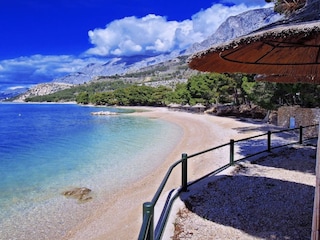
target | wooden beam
x=316, y=206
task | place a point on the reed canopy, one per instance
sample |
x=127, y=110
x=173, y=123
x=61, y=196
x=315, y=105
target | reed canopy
x=285, y=51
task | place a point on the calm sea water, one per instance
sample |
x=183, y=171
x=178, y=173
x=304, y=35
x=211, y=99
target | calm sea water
x=48, y=148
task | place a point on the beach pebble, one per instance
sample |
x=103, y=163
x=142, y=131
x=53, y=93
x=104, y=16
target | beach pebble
x=81, y=194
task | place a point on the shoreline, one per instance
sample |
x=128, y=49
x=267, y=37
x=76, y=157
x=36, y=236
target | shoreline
x=120, y=217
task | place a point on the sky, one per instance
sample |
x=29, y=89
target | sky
x=41, y=40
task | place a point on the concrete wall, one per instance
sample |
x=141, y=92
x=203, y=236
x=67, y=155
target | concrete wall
x=300, y=117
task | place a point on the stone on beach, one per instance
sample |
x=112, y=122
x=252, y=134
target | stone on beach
x=82, y=194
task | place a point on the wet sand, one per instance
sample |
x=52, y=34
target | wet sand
x=121, y=215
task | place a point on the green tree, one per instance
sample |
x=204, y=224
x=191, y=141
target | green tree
x=303, y=94
x=248, y=85
x=82, y=98
x=121, y=96
x=139, y=95
x=180, y=94
x=263, y=94
x=160, y=95
x=211, y=88
x=103, y=98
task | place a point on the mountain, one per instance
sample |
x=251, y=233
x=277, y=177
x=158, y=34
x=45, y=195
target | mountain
x=237, y=26
x=233, y=27
x=167, y=73
x=42, y=89
x=10, y=93
x=120, y=65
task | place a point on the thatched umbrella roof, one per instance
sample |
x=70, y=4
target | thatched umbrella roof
x=186, y=105
x=289, y=47
x=198, y=105
x=174, y=105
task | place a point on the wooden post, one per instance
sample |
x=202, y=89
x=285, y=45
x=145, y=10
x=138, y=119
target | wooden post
x=269, y=141
x=148, y=208
x=184, y=172
x=231, y=152
x=301, y=135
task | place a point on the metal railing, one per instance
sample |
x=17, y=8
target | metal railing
x=289, y=137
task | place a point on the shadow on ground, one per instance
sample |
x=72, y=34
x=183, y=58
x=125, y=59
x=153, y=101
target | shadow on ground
x=257, y=126
x=303, y=161
x=294, y=157
x=260, y=206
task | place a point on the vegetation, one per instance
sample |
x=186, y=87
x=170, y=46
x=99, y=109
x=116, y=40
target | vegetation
x=208, y=89
x=70, y=94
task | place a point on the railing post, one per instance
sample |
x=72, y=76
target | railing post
x=148, y=209
x=269, y=141
x=231, y=152
x=184, y=172
x=301, y=135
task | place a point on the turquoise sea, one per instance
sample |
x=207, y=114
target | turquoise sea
x=46, y=149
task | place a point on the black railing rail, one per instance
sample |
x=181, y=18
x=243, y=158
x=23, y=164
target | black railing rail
x=149, y=232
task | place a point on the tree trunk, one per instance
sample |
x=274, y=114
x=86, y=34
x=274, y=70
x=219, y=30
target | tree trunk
x=266, y=118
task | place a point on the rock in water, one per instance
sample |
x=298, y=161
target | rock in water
x=81, y=194
x=104, y=113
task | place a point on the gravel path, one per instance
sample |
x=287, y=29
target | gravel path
x=270, y=197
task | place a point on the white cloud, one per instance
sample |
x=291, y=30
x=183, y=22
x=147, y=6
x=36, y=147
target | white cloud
x=131, y=35
x=40, y=68
x=154, y=34
x=15, y=87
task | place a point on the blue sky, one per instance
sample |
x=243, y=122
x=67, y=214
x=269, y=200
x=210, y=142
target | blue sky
x=41, y=40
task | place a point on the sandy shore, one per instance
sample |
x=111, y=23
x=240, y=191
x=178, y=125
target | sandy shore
x=121, y=216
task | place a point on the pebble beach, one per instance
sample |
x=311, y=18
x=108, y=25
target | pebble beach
x=120, y=217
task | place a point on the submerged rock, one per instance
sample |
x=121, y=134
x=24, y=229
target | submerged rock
x=81, y=194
